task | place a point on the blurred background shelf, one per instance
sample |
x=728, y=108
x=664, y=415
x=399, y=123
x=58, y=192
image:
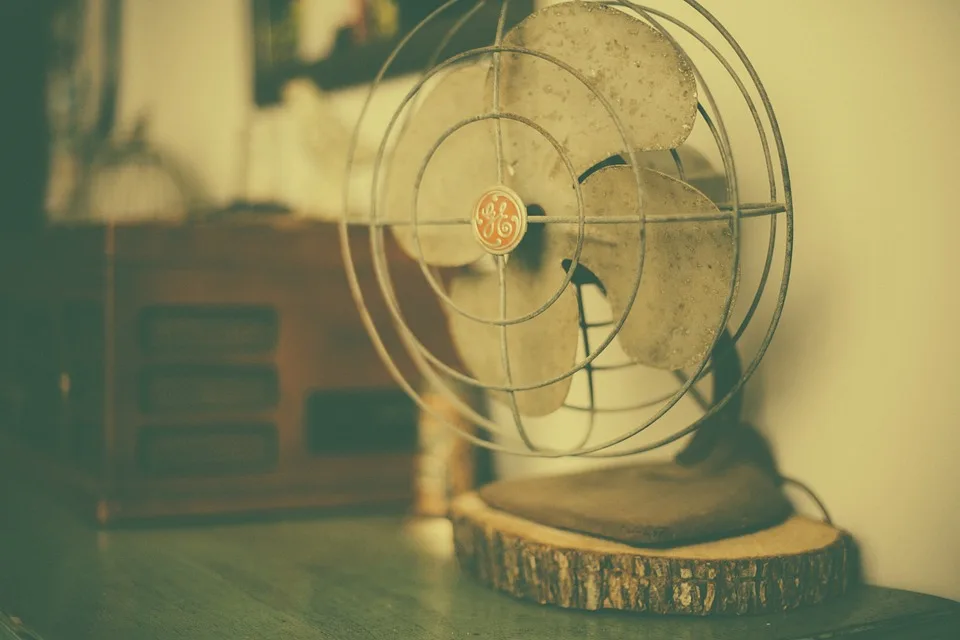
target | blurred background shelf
x=162, y=369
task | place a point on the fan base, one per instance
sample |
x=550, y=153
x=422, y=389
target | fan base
x=650, y=504
x=796, y=563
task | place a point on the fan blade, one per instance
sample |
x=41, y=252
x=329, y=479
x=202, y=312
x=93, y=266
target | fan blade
x=462, y=169
x=687, y=268
x=643, y=76
x=534, y=169
x=539, y=349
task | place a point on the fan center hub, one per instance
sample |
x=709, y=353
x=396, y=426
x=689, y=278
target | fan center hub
x=500, y=220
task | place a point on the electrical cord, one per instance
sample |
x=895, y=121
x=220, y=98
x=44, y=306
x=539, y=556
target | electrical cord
x=813, y=496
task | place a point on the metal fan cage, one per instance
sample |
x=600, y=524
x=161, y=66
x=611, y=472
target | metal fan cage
x=434, y=370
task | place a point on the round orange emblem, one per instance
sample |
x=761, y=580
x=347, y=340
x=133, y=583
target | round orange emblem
x=500, y=220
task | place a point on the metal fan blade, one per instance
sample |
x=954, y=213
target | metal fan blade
x=539, y=349
x=646, y=80
x=531, y=169
x=687, y=267
x=462, y=169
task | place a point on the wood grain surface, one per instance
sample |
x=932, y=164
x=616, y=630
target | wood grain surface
x=342, y=578
x=798, y=562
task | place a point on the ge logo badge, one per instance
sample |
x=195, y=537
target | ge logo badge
x=500, y=220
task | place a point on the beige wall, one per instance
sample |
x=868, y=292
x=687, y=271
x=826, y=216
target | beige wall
x=860, y=392
x=185, y=65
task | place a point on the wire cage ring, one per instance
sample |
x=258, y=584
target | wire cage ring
x=380, y=259
x=427, y=361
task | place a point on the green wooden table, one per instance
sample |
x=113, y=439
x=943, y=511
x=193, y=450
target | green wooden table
x=340, y=578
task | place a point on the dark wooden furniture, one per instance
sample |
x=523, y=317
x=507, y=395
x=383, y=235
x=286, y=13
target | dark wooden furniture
x=345, y=578
x=25, y=54
x=156, y=369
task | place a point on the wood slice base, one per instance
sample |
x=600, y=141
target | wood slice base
x=797, y=563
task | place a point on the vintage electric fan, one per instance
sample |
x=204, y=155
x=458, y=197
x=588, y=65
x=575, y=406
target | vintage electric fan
x=518, y=176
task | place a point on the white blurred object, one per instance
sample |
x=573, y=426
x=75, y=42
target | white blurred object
x=262, y=157
x=318, y=160
x=131, y=180
x=315, y=138
x=135, y=190
x=318, y=25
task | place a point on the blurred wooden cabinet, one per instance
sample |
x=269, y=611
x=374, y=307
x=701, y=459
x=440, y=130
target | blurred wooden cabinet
x=156, y=370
